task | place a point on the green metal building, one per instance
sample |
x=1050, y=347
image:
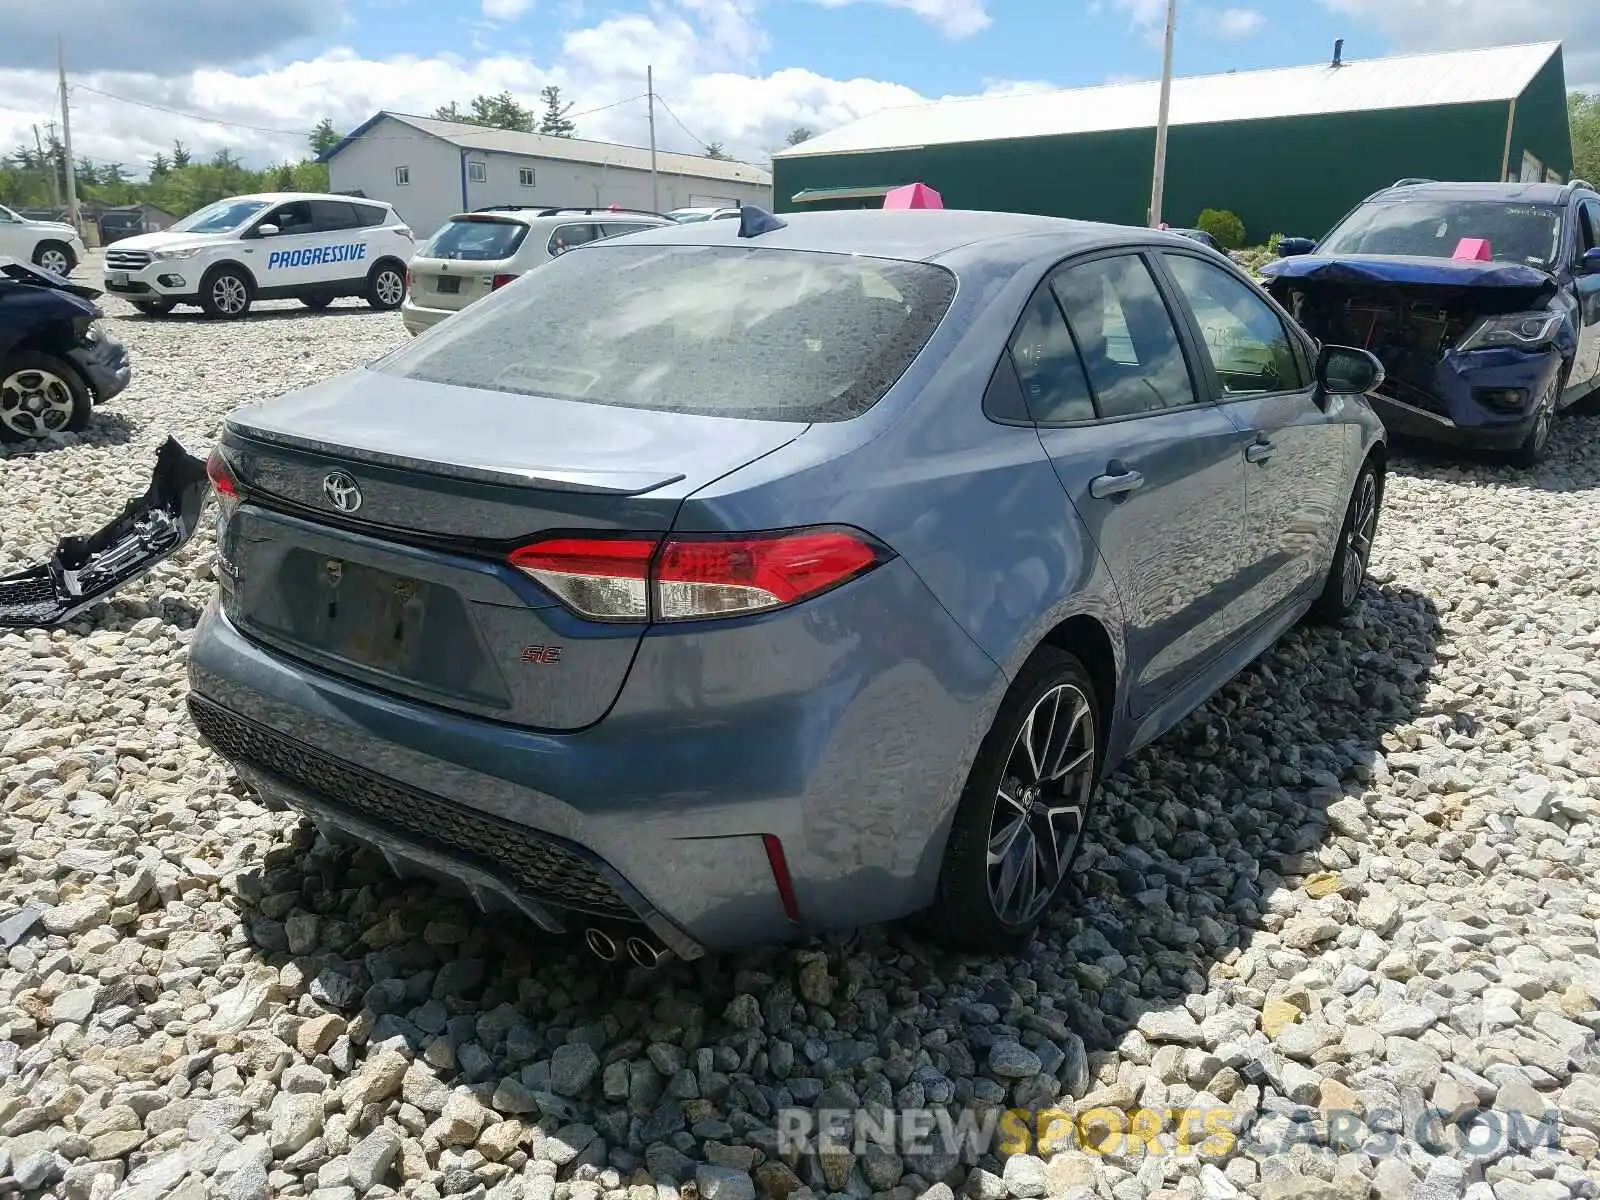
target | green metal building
x=1289, y=151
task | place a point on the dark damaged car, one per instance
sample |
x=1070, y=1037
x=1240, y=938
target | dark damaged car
x=57, y=360
x=1482, y=300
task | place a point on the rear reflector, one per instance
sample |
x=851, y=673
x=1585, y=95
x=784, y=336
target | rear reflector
x=500, y=281
x=696, y=576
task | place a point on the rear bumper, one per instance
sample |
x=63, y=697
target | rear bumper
x=658, y=814
x=416, y=317
x=1454, y=412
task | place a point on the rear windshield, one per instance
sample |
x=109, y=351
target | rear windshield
x=762, y=334
x=477, y=241
x=1528, y=234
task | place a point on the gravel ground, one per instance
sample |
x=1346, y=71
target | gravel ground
x=1358, y=885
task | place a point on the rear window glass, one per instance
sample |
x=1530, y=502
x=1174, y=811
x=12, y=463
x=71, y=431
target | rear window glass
x=477, y=240
x=761, y=334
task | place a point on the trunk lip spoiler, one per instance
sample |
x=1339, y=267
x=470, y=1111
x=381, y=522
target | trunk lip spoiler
x=548, y=479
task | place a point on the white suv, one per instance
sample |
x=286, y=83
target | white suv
x=474, y=253
x=310, y=247
x=52, y=245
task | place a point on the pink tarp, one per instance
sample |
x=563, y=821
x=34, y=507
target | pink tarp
x=912, y=195
x=1473, y=250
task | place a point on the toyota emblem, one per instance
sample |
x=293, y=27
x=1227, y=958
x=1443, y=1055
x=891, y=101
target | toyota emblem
x=341, y=492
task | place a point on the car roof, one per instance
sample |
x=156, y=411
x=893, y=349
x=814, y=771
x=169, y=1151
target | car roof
x=955, y=236
x=283, y=197
x=533, y=213
x=1523, y=193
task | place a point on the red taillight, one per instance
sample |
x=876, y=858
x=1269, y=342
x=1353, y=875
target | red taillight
x=221, y=478
x=500, y=281
x=694, y=576
x=408, y=281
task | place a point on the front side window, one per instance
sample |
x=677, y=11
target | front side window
x=729, y=331
x=1048, y=367
x=7, y=217
x=291, y=218
x=1516, y=232
x=1248, y=344
x=477, y=172
x=1125, y=335
x=1588, y=226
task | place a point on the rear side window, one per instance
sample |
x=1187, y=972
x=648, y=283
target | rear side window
x=477, y=241
x=332, y=215
x=1125, y=334
x=761, y=334
x=1048, y=366
x=612, y=229
x=565, y=237
x=369, y=214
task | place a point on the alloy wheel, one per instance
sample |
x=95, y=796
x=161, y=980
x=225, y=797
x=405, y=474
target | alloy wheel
x=55, y=261
x=390, y=287
x=229, y=295
x=1358, y=539
x=1040, y=807
x=35, y=403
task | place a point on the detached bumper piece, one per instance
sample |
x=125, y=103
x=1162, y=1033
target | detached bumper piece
x=85, y=569
x=548, y=879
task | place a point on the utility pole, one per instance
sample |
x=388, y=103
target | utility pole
x=48, y=166
x=66, y=137
x=650, y=87
x=1159, y=177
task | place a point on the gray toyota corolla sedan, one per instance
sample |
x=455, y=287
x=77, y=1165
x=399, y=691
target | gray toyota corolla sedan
x=739, y=580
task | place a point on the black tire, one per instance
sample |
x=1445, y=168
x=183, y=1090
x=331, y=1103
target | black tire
x=41, y=395
x=316, y=303
x=55, y=253
x=226, y=294
x=1532, y=450
x=970, y=910
x=1348, y=572
x=155, y=308
x=386, y=285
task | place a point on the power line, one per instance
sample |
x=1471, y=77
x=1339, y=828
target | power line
x=702, y=144
x=178, y=112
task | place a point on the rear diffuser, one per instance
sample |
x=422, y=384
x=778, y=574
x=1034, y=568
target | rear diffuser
x=85, y=569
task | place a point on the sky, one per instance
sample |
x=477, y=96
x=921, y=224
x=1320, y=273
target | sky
x=255, y=77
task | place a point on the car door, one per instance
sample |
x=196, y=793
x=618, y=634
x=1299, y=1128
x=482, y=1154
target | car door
x=1586, y=363
x=343, y=251
x=1298, y=468
x=16, y=240
x=285, y=259
x=1154, y=470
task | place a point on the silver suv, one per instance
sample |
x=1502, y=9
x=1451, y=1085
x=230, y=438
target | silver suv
x=475, y=253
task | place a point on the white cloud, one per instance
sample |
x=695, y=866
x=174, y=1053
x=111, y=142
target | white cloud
x=1413, y=25
x=953, y=18
x=505, y=10
x=1230, y=22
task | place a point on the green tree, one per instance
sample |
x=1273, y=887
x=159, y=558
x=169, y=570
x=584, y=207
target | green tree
x=800, y=133
x=180, y=154
x=451, y=112
x=159, y=165
x=715, y=150
x=1583, y=116
x=492, y=112
x=555, y=120
x=324, y=137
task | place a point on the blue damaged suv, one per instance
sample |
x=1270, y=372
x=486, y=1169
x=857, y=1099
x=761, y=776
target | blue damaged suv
x=1481, y=299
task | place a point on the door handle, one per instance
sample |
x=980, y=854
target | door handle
x=1118, y=482
x=1258, y=452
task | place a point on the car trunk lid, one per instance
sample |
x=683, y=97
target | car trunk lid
x=453, y=285
x=408, y=589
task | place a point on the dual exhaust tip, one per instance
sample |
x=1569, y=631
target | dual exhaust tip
x=643, y=953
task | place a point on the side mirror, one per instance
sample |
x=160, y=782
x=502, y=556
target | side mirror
x=1294, y=247
x=1348, y=371
x=267, y=230
x=1591, y=262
